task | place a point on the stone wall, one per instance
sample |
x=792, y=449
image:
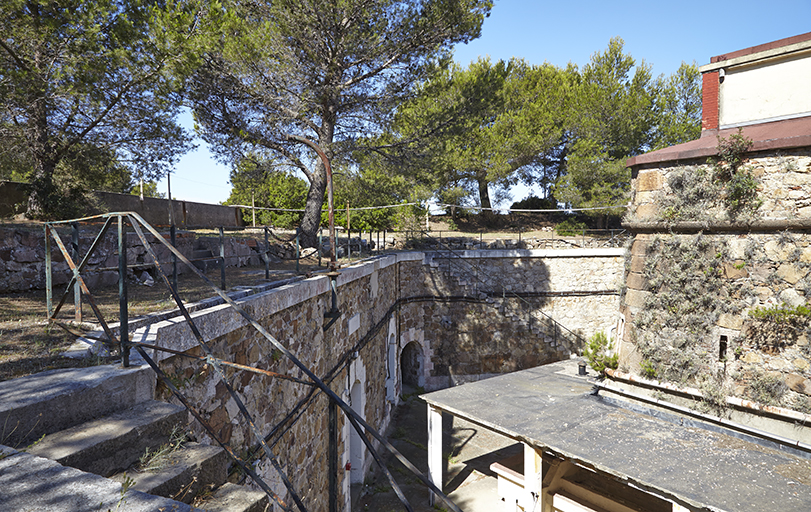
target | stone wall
x=461, y=332
x=699, y=290
x=503, y=311
x=349, y=352
x=22, y=255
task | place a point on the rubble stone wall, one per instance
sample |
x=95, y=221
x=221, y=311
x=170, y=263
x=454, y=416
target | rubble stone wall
x=721, y=305
x=402, y=298
x=22, y=255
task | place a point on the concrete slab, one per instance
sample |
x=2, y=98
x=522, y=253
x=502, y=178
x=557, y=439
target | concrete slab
x=679, y=459
x=29, y=483
x=34, y=405
x=189, y=470
x=112, y=443
x=236, y=498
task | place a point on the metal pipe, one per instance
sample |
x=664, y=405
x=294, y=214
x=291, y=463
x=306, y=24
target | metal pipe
x=266, y=255
x=77, y=290
x=49, y=292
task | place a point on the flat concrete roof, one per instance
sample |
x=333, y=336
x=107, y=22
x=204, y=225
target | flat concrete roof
x=677, y=458
x=786, y=134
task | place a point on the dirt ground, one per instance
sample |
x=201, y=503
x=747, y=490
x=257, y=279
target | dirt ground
x=29, y=344
x=468, y=451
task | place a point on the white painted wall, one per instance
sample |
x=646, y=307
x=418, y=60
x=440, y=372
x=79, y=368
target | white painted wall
x=766, y=90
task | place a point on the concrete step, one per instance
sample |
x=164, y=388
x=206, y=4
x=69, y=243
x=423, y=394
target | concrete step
x=235, y=498
x=207, y=264
x=188, y=471
x=28, y=482
x=113, y=443
x=48, y=402
x=202, y=254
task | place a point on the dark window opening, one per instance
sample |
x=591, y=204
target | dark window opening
x=722, y=349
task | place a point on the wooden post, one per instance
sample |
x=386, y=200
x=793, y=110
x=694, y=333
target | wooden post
x=533, y=478
x=434, y=449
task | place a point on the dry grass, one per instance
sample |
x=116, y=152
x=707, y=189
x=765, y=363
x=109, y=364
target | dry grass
x=28, y=344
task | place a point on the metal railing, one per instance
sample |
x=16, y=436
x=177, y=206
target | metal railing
x=124, y=345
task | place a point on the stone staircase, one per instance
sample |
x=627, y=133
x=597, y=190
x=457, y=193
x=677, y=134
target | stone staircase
x=70, y=438
x=202, y=256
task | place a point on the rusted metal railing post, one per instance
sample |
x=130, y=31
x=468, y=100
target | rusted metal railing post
x=123, y=313
x=77, y=289
x=298, y=253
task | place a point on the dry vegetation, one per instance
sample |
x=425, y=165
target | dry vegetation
x=28, y=344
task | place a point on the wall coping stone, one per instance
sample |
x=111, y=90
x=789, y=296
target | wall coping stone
x=530, y=253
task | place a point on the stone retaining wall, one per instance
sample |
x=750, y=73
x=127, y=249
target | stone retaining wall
x=22, y=255
x=460, y=337
x=722, y=275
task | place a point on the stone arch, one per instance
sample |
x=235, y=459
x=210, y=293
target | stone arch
x=412, y=365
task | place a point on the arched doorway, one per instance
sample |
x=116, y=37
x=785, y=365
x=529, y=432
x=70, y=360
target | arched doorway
x=411, y=365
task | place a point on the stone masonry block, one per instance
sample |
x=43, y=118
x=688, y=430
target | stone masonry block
x=647, y=211
x=649, y=180
x=636, y=298
x=637, y=281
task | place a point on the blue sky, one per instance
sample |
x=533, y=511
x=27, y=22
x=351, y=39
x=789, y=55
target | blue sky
x=663, y=34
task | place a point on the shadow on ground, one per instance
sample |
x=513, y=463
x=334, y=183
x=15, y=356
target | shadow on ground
x=468, y=451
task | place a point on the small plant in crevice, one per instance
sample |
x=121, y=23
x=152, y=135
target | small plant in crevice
x=599, y=352
x=741, y=188
x=161, y=457
x=766, y=388
x=725, y=190
x=775, y=327
x=647, y=369
x=714, y=391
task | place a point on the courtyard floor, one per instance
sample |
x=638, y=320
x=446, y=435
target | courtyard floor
x=468, y=452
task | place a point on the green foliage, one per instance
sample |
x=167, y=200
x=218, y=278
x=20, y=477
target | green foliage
x=610, y=119
x=473, y=132
x=780, y=314
x=535, y=203
x=571, y=227
x=599, y=354
x=90, y=82
x=678, y=107
x=330, y=72
x=257, y=180
x=741, y=188
x=647, y=368
x=368, y=186
x=150, y=190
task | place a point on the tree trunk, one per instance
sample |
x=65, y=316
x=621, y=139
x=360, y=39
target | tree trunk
x=311, y=220
x=484, y=201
